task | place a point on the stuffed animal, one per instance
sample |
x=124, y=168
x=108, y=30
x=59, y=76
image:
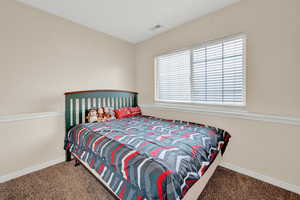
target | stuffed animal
x=105, y=114
x=101, y=115
x=92, y=115
x=109, y=113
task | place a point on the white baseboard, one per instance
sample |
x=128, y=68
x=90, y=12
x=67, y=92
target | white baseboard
x=28, y=170
x=267, y=179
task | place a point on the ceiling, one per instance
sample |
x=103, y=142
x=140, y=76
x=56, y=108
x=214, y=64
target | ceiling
x=130, y=20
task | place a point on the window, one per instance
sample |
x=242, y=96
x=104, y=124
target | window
x=213, y=73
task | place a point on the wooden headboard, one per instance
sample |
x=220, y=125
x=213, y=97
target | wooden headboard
x=78, y=103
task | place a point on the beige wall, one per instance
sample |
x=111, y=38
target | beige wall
x=41, y=57
x=25, y=144
x=273, y=68
x=273, y=50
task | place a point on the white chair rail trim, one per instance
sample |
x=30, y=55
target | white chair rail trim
x=181, y=108
x=240, y=114
x=29, y=116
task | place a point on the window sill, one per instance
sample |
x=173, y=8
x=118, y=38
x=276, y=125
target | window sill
x=198, y=107
x=208, y=105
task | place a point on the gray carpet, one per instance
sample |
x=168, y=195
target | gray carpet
x=64, y=181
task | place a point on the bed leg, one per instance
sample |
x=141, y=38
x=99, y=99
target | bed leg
x=68, y=156
x=76, y=163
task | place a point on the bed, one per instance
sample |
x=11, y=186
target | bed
x=141, y=157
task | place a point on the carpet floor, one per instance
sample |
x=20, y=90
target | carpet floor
x=64, y=181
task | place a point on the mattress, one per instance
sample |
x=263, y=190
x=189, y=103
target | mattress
x=144, y=157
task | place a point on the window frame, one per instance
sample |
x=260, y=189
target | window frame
x=204, y=44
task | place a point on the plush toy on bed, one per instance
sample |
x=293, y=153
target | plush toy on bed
x=101, y=115
x=109, y=113
x=105, y=114
x=92, y=115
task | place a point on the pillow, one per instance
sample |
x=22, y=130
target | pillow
x=135, y=111
x=122, y=112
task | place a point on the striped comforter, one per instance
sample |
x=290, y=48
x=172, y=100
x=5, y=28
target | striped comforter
x=143, y=157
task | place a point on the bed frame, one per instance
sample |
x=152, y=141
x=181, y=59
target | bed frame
x=78, y=103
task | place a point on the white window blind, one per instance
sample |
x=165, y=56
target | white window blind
x=174, y=76
x=213, y=73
